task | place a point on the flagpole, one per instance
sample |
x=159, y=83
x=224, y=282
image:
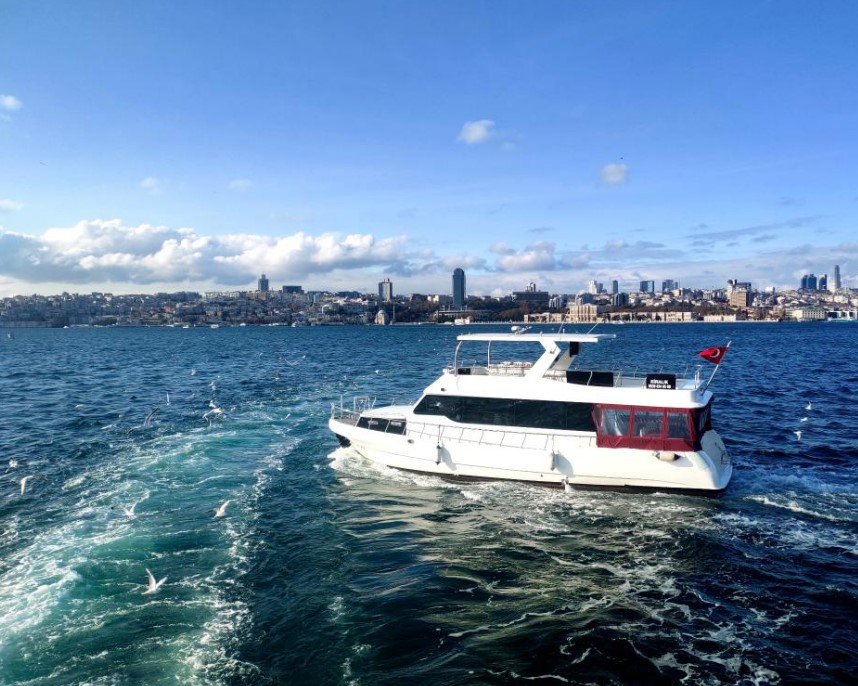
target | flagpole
x=717, y=366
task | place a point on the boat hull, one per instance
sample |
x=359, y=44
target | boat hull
x=551, y=459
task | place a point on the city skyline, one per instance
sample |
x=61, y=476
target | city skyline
x=335, y=144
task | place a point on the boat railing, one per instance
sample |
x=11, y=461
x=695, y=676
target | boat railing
x=505, y=438
x=505, y=368
x=688, y=378
x=350, y=415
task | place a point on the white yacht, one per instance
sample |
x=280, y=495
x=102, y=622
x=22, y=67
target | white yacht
x=549, y=421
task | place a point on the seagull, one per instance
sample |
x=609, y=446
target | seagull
x=193, y=372
x=13, y=463
x=129, y=510
x=152, y=585
x=148, y=421
x=809, y=406
x=168, y=397
x=797, y=435
x=24, y=481
x=804, y=419
x=220, y=510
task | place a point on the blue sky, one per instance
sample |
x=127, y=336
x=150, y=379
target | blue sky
x=161, y=146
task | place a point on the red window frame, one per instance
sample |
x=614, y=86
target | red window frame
x=660, y=441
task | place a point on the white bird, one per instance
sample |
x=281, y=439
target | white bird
x=153, y=586
x=24, y=481
x=129, y=510
x=220, y=510
x=168, y=397
x=804, y=419
x=809, y=406
x=797, y=435
x=193, y=372
x=13, y=463
x=148, y=421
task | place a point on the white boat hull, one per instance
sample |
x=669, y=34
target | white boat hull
x=549, y=458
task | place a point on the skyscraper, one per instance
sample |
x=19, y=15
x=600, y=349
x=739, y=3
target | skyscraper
x=834, y=285
x=615, y=287
x=385, y=290
x=458, y=289
x=262, y=285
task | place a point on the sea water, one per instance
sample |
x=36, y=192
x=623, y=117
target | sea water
x=327, y=570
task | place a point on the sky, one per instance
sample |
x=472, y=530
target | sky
x=161, y=146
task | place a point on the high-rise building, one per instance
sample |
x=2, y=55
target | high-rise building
x=385, y=290
x=647, y=287
x=594, y=287
x=834, y=285
x=822, y=283
x=262, y=284
x=615, y=287
x=458, y=288
x=808, y=282
x=669, y=285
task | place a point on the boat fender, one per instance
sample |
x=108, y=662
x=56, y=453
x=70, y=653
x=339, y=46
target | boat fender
x=666, y=455
x=439, y=450
x=567, y=486
x=552, y=460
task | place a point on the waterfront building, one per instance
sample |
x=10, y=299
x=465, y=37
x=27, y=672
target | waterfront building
x=262, y=285
x=385, y=290
x=458, y=288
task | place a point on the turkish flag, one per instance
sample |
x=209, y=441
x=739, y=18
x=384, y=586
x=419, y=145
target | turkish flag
x=714, y=355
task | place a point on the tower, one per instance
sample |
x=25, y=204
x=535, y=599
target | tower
x=262, y=285
x=385, y=290
x=458, y=289
x=834, y=284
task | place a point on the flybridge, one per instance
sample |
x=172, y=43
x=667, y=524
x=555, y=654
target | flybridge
x=538, y=337
x=554, y=357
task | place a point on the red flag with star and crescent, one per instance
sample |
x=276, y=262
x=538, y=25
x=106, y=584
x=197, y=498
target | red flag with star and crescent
x=713, y=355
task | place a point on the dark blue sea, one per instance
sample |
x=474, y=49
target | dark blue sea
x=326, y=570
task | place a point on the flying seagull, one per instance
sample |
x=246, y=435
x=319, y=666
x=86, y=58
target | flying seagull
x=152, y=585
x=24, y=481
x=220, y=510
x=797, y=435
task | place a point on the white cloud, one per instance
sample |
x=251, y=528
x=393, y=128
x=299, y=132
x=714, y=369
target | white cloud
x=151, y=184
x=10, y=103
x=537, y=256
x=615, y=174
x=99, y=251
x=476, y=131
x=10, y=206
x=239, y=184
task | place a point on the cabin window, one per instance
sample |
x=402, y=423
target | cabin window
x=391, y=426
x=651, y=428
x=678, y=424
x=615, y=422
x=648, y=422
x=538, y=414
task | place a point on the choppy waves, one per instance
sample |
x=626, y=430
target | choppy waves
x=327, y=569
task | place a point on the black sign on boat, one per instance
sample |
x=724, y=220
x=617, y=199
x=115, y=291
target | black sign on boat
x=661, y=380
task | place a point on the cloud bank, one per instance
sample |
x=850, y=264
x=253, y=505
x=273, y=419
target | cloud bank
x=110, y=255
